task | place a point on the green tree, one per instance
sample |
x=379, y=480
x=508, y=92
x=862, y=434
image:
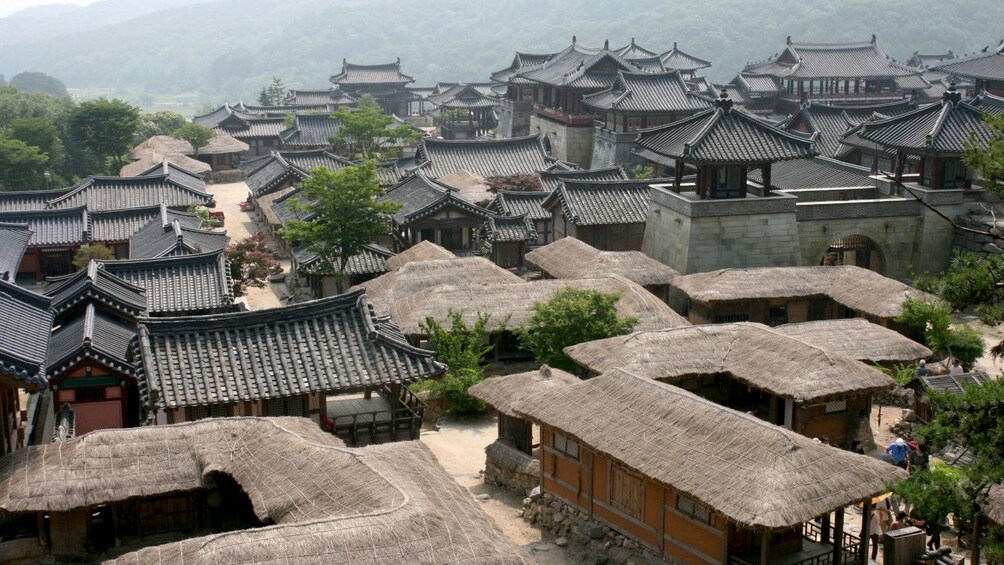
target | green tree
x=250, y=264
x=273, y=94
x=934, y=323
x=82, y=258
x=197, y=136
x=643, y=172
x=461, y=348
x=365, y=131
x=21, y=165
x=570, y=317
x=39, y=82
x=106, y=127
x=988, y=163
x=972, y=421
x=158, y=123
x=40, y=133
x=347, y=214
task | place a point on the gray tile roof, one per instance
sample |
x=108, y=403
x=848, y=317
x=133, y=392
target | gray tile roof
x=954, y=384
x=487, y=158
x=330, y=345
x=311, y=130
x=387, y=73
x=860, y=60
x=519, y=203
x=592, y=203
x=93, y=335
x=175, y=238
x=198, y=283
x=520, y=62
x=23, y=352
x=413, y=193
x=763, y=85
x=21, y=200
x=372, y=261
x=833, y=122
x=465, y=97
x=449, y=199
x=986, y=102
x=922, y=61
x=945, y=128
x=309, y=160
x=69, y=226
x=94, y=284
x=552, y=178
x=318, y=97
x=113, y=193
x=14, y=238
x=574, y=66
x=986, y=65
x=656, y=92
x=674, y=60
x=633, y=51
x=267, y=174
x=818, y=172
x=724, y=135
x=122, y=224
x=500, y=229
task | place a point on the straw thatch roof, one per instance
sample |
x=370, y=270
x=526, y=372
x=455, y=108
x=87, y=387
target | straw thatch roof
x=329, y=504
x=417, y=276
x=167, y=145
x=510, y=304
x=421, y=251
x=751, y=353
x=858, y=339
x=570, y=258
x=144, y=163
x=472, y=187
x=754, y=473
x=996, y=504
x=859, y=289
x=501, y=393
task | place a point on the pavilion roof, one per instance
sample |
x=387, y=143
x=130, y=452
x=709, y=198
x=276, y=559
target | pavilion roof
x=988, y=64
x=677, y=60
x=14, y=238
x=654, y=92
x=23, y=352
x=179, y=284
x=386, y=73
x=94, y=335
x=818, y=172
x=483, y=157
x=592, y=203
x=946, y=128
x=862, y=60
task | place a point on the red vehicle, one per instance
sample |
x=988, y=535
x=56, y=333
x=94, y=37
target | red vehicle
x=216, y=215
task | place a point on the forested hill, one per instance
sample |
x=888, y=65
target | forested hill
x=230, y=48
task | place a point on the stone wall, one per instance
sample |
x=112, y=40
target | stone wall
x=573, y=144
x=508, y=467
x=605, y=545
x=895, y=237
x=514, y=119
x=611, y=148
x=982, y=245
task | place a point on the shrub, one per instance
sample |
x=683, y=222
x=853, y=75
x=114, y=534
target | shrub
x=990, y=314
x=902, y=373
x=462, y=348
x=934, y=322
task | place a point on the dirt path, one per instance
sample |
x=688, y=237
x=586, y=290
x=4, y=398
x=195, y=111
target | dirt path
x=240, y=225
x=459, y=445
x=992, y=335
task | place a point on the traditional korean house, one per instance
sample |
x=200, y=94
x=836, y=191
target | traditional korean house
x=260, y=131
x=290, y=361
x=944, y=384
x=608, y=215
x=528, y=205
x=277, y=175
x=55, y=237
x=833, y=121
x=241, y=490
x=221, y=153
x=939, y=134
x=677, y=60
x=755, y=92
x=180, y=285
x=517, y=104
x=923, y=61
x=837, y=72
x=656, y=490
x=986, y=102
x=553, y=176
x=323, y=282
x=781, y=295
x=807, y=178
x=310, y=131
x=434, y=212
x=464, y=111
x=175, y=233
x=637, y=101
x=507, y=239
x=163, y=184
x=333, y=97
x=859, y=339
x=481, y=159
x=985, y=69
x=14, y=238
x=384, y=82
x=569, y=258
x=23, y=351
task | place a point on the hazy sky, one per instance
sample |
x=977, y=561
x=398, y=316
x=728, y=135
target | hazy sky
x=8, y=7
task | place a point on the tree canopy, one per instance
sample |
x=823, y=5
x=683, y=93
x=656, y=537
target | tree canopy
x=106, y=127
x=250, y=264
x=197, y=136
x=274, y=94
x=21, y=166
x=158, y=123
x=461, y=348
x=39, y=82
x=82, y=258
x=346, y=212
x=364, y=132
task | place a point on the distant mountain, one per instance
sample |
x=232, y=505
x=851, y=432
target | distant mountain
x=45, y=11
x=228, y=49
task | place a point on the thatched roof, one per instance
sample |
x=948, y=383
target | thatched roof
x=329, y=504
x=570, y=258
x=752, y=353
x=167, y=145
x=859, y=289
x=996, y=504
x=510, y=304
x=416, y=276
x=858, y=339
x=421, y=251
x=501, y=393
x=148, y=160
x=755, y=473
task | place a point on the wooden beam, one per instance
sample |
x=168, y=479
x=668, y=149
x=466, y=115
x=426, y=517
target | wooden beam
x=838, y=537
x=866, y=522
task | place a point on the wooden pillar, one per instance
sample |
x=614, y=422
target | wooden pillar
x=838, y=537
x=764, y=547
x=900, y=164
x=824, y=529
x=866, y=523
x=766, y=179
x=678, y=176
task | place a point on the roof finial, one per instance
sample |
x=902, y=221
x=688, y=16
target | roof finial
x=399, y=61
x=674, y=45
x=873, y=39
x=632, y=41
x=574, y=40
x=724, y=102
x=952, y=95
x=606, y=44
x=788, y=41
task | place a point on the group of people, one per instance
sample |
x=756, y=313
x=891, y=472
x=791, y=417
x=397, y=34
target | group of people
x=954, y=368
x=911, y=456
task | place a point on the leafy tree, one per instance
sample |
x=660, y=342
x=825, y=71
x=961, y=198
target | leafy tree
x=21, y=165
x=365, y=131
x=158, y=123
x=902, y=373
x=935, y=493
x=273, y=94
x=289, y=119
x=972, y=420
x=462, y=348
x=520, y=183
x=988, y=163
x=39, y=82
x=450, y=116
x=347, y=214
x=82, y=258
x=643, y=172
x=570, y=317
x=197, y=136
x=106, y=127
x=40, y=133
x=250, y=264
x=934, y=323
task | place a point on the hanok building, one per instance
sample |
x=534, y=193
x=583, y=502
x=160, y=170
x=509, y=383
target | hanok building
x=464, y=111
x=221, y=153
x=507, y=239
x=260, y=131
x=55, y=237
x=310, y=131
x=608, y=215
x=760, y=507
x=637, y=101
x=517, y=104
x=837, y=72
x=859, y=339
x=526, y=204
x=985, y=69
x=384, y=82
x=241, y=491
x=755, y=92
x=330, y=98
x=939, y=134
x=466, y=165
x=277, y=175
x=323, y=281
x=288, y=362
x=14, y=239
x=923, y=61
x=436, y=213
x=782, y=295
x=174, y=233
x=180, y=285
x=24, y=347
x=832, y=122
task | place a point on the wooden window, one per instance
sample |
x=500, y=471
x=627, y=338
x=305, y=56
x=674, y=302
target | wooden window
x=275, y=407
x=633, y=123
x=836, y=406
x=566, y=446
x=731, y=317
x=777, y=315
x=693, y=509
x=90, y=393
x=197, y=413
x=221, y=411
x=627, y=491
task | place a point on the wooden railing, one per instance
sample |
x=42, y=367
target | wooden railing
x=402, y=421
x=850, y=545
x=561, y=115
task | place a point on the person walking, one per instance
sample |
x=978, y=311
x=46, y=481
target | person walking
x=918, y=459
x=956, y=368
x=877, y=527
x=922, y=370
x=934, y=529
x=899, y=451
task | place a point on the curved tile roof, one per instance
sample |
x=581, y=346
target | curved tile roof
x=656, y=92
x=23, y=352
x=945, y=128
x=487, y=158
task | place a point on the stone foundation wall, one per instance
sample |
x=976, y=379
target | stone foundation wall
x=509, y=467
x=982, y=245
x=605, y=545
x=225, y=177
x=514, y=119
x=612, y=149
x=573, y=144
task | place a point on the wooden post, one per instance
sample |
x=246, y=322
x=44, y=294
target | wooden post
x=766, y=179
x=824, y=529
x=866, y=522
x=678, y=176
x=838, y=537
x=764, y=547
